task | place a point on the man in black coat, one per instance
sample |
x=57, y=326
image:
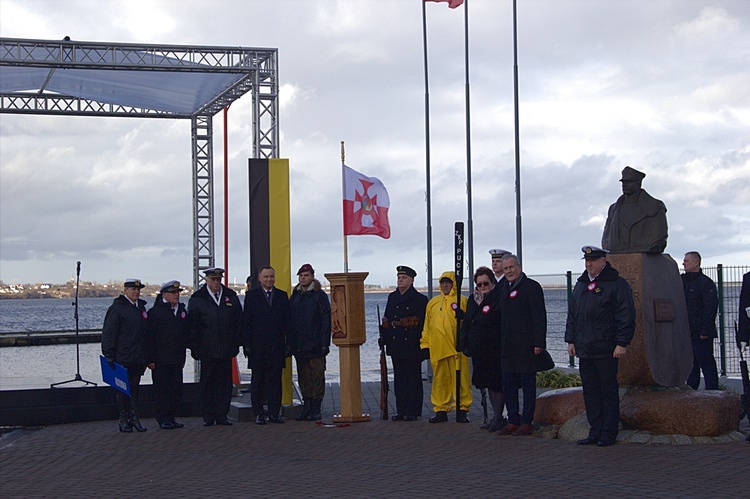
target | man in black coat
x=600, y=326
x=702, y=305
x=523, y=336
x=310, y=339
x=168, y=330
x=125, y=341
x=215, y=319
x=266, y=321
x=400, y=332
x=743, y=333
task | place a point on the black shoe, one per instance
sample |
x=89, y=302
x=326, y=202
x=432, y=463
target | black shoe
x=166, y=426
x=588, y=441
x=606, y=442
x=260, y=419
x=275, y=419
x=223, y=422
x=136, y=424
x=176, y=424
x=208, y=422
x=461, y=417
x=125, y=427
x=439, y=417
x=397, y=417
x=410, y=418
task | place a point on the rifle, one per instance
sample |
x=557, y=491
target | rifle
x=383, y=377
x=745, y=397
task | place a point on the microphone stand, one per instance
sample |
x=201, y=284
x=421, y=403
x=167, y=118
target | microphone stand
x=78, y=351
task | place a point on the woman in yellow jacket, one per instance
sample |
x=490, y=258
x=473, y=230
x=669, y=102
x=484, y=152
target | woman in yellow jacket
x=439, y=342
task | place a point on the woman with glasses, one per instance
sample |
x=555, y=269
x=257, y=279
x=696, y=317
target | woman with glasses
x=480, y=336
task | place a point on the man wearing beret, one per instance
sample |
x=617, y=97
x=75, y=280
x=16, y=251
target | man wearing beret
x=265, y=329
x=637, y=222
x=600, y=326
x=310, y=339
x=125, y=341
x=214, y=320
x=167, y=327
x=400, y=332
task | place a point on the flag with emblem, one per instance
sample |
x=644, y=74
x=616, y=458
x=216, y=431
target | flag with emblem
x=366, y=205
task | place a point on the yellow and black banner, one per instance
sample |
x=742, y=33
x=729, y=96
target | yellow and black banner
x=270, y=232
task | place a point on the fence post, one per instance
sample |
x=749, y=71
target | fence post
x=722, y=343
x=569, y=279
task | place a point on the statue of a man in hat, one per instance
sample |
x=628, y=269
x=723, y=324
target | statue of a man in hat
x=637, y=222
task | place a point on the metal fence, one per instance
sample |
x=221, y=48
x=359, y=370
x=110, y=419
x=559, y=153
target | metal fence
x=559, y=287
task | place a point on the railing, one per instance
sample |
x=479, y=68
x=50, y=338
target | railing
x=728, y=279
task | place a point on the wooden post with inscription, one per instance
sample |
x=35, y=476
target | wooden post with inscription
x=348, y=333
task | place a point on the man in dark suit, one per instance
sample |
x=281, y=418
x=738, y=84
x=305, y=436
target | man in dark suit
x=743, y=333
x=214, y=320
x=266, y=321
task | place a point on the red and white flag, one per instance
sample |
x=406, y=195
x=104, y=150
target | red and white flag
x=451, y=3
x=366, y=205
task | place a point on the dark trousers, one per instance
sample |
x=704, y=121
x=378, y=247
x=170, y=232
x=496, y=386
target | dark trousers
x=703, y=358
x=265, y=385
x=216, y=388
x=511, y=381
x=128, y=405
x=168, y=390
x=407, y=386
x=601, y=396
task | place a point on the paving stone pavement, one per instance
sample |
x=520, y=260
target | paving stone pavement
x=374, y=459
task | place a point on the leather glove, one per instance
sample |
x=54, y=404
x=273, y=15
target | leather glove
x=246, y=352
x=287, y=351
x=111, y=363
x=325, y=350
x=460, y=314
x=425, y=353
x=194, y=354
x=381, y=342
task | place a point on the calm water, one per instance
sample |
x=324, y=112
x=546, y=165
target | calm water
x=59, y=361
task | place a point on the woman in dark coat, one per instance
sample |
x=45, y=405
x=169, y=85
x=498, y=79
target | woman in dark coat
x=480, y=333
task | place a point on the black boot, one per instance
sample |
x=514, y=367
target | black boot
x=315, y=410
x=305, y=412
x=134, y=422
x=124, y=425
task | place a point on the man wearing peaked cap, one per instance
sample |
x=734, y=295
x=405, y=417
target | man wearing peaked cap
x=214, y=321
x=400, y=333
x=497, y=262
x=125, y=341
x=168, y=332
x=600, y=326
x=636, y=222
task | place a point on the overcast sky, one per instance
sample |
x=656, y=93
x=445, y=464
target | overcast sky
x=662, y=86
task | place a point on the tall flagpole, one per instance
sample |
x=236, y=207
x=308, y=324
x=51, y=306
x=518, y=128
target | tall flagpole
x=343, y=220
x=519, y=245
x=428, y=199
x=470, y=221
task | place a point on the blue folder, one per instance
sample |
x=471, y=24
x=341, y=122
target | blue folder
x=117, y=378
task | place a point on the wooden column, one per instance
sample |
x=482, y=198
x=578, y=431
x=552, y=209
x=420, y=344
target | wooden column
x=348, y=333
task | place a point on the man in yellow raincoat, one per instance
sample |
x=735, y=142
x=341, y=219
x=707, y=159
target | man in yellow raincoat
x=439, y=341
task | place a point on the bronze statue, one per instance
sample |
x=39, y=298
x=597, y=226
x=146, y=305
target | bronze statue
x=637, y=222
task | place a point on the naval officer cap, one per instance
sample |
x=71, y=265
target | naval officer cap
x=593, y=252
x=170, y=286
x=631, y=174
x=498, y=253
x=132, y=282
x=214, y=272
x=403, y=269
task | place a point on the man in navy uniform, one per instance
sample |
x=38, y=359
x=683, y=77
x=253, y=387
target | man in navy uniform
x=400, y=332
x=600, y=326
x=497, y=262
x=214, y=320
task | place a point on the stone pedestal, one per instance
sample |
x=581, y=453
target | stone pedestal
x=348, y=333
x=661, y=351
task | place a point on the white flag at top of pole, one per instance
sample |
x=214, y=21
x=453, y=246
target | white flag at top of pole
x=366, y=205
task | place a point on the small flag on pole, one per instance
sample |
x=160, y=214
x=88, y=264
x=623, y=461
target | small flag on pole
x=366, y=205
x=451, y=3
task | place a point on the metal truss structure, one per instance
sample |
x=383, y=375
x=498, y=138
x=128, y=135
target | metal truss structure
x=76, y=78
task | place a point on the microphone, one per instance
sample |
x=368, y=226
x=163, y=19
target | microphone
x=78, y=268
